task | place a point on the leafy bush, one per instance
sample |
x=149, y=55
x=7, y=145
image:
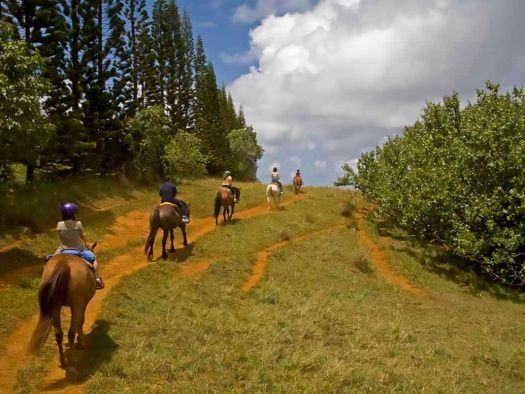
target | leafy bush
x=148, y=134
x=458, y=176
x=183, y=157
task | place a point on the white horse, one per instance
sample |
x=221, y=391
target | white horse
x=272, y=190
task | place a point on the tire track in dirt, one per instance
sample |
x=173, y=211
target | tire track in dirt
x=261, y=261
x=379, y=257
x=112, y=271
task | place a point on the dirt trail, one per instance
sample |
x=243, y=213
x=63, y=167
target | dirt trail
x=261, y=262
x=379, y=257
x=133, y=225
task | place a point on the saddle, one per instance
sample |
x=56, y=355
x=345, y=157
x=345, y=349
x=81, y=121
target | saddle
x=75, y=252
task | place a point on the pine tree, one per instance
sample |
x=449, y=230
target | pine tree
x=159, y=40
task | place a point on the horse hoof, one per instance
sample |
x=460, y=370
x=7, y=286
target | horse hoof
x=185, y=243
x=172, y=250
x=150, y=257
x=165, y=256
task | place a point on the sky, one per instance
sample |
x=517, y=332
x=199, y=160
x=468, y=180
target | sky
x=323, y=81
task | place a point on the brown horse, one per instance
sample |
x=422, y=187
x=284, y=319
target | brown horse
x=297, y=183
x=166, y=216
x=67, y=280
x=224, y=199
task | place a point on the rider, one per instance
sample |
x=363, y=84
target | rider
x=298, y=173
x=167, y=193
x=227, y=181
x=72, y=236
x=275, y=179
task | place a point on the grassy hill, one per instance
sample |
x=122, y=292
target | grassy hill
x=290, y=301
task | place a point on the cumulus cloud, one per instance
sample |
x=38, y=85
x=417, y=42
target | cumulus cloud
x=262, y=8
x=333, y=81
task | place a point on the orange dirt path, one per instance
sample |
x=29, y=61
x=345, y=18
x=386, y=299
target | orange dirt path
x=380, y=259
x=261, y=262
x=133, y=225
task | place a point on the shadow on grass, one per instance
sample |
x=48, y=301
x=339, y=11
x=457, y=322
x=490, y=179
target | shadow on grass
x=182, y=254
x=465, y=273
x=18, y=260
x=436, y=259
x=100, y=349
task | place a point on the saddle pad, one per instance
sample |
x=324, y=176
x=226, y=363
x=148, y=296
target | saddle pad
x=168, y=203
x=86, y=255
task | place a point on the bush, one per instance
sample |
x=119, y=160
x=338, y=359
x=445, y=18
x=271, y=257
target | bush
x=183, y=157
x=458, y=176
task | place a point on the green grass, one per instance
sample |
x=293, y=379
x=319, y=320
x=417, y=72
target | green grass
x=321, y=319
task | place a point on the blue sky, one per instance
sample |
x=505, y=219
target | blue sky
x=323, y=81
x=213, y=20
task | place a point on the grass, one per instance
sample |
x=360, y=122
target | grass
x=321, y=319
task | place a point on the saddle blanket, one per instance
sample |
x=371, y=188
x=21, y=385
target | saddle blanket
x=169, y=203
x=87, y=255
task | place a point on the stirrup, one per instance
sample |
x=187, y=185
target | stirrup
x=100, y=284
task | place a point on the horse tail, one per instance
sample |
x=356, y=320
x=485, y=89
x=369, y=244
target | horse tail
x=51, y=296
x=154, y=224
x=218, y=203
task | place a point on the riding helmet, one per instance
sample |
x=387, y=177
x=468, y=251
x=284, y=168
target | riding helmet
x=226, y=173
x=69, y=209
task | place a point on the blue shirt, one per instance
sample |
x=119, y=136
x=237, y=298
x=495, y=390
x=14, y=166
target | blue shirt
x=167, y=193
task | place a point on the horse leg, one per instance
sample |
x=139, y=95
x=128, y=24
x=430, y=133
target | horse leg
x=59, y=336
x=268, y=199
x=185, y=239
x=233, y=209
x=151, y=242
x=224, y=210
x=75, y=329
x=172, y=247
x=164, y=239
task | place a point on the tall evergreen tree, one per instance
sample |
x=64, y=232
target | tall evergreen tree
x=159, y=41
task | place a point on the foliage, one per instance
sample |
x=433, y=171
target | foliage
x=458, y=176
x=107, y=59
x=243, y=144
x=148, y=135
x=24, y=129
x=183, y=157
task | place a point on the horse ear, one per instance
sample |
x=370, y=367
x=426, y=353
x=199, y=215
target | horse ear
x=94, y=245
x=188, y=204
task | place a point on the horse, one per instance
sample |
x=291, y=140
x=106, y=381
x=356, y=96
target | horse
x=297, y=183
x=67, y=280
x=224, y=199
x=166, y=216
x=272, y=190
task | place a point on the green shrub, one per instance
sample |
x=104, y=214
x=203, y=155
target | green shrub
x=458, y=176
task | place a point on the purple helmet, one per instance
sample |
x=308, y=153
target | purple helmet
x=69, y=209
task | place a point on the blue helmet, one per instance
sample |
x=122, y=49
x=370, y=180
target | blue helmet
x=69, y=209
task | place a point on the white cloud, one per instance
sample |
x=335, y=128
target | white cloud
x=334, y=80
x=320, y=164
x=263, y=8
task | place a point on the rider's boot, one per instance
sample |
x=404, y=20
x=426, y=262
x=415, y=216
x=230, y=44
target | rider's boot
x=185, y=219
x=100, y=283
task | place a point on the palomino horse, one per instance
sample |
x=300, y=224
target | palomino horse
x=272, y=190
x=67, y=280
x=224, y=199
x=297, y=183
x=166, y=216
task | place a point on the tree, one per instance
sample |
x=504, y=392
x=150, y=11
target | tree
x=243, y=144
x=147, y=135
x=183, y=156
x=24, y=129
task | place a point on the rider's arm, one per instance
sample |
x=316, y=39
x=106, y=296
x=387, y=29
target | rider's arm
x=80, y=229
